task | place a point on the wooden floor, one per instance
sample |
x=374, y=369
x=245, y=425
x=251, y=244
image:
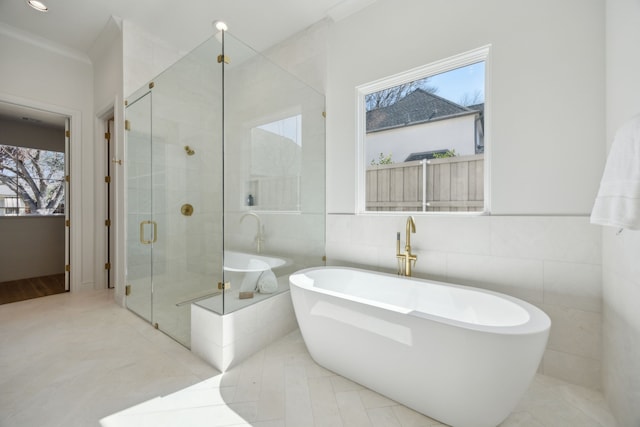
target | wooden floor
x=20, y=290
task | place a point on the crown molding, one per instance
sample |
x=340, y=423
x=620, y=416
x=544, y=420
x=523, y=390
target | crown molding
x=43, y=43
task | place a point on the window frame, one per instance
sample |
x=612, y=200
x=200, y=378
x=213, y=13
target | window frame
x=441, y=66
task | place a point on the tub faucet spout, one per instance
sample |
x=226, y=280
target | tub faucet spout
x=406, y=259
x=259, y=239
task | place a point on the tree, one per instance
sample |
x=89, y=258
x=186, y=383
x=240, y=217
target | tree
x=37, y=177
x=389, y=96
x=382, y=160
x=445, y=155
x=471, y=98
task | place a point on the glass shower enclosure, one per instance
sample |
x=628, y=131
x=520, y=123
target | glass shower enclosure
x=224, y=184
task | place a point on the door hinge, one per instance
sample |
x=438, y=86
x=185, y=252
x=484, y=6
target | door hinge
x=107, y=223
x=67, y=133
x=107, y=136
x=155, y=325
x=224, y=286
x=67, y=268
x=127, y=290
x=127, y=125
x=68, y=223
x=107, y=266
x=107, y=179
x=67, y=178
x=224, y=58
x=151, y=85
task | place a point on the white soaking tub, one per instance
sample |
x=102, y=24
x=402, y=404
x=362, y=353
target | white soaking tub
x=461, y=355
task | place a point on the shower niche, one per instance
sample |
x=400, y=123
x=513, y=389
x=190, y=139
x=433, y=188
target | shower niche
x=225, y=168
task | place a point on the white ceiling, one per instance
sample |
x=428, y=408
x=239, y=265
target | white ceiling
x=76, y=24
x=72, y=26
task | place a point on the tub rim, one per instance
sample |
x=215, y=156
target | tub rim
x=539, y=321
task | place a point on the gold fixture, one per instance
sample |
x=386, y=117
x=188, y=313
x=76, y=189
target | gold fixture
x=155, y=232
x=324, y=114
x=126, y=102
x=151, y=85
x=67, y=268
x=259, y=239
x=107, y=223
x=127, y=290
x=405, y=259
x=107, y=179
x=127, y=125
x=117, y=161
x=156, y=325
x=189, y=150
x=186, y=209
x=224, y=286
x=107, y=266
x=67, y=223
x=67, y=133
x=224, y=58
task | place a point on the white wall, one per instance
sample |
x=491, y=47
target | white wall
x=545, y=91
x=34, y=136
x=621, y=273
x=36, y=247
x=41, y=77
x=107, y=58
x=545, y=124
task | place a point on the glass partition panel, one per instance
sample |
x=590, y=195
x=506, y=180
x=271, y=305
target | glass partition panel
x=138, y=188
x=180, y=189
x=187, y=188
x=274, y=175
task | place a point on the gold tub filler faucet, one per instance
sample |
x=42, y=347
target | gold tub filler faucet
x=405, y=259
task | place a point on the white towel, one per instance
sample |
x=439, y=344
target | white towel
x=618, y=201
x=267, y=282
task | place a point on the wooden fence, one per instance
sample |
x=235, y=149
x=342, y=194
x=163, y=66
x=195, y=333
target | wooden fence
x=452, y=184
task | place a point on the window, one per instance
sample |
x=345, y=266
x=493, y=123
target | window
x=31, y=181
x=276, y=156
x=422, y=138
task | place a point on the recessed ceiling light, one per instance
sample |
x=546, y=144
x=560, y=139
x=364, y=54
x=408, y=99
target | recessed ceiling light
x=220, y=25
x=38, y=5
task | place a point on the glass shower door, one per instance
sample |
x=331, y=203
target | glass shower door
x=140, y=233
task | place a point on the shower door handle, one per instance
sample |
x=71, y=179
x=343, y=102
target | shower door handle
x=155, y=232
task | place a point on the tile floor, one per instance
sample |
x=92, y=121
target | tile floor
x=73, y=359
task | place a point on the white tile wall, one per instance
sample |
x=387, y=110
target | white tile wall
x=225, y=341
x=552, y=262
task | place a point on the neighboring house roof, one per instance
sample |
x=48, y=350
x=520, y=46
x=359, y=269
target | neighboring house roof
x=418, y=107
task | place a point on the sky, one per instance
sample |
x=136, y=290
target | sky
x=454, y=84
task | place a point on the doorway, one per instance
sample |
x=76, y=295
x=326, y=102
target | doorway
x=35, y=204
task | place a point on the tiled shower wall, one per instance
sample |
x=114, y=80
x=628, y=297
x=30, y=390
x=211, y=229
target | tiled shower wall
x=551, y=262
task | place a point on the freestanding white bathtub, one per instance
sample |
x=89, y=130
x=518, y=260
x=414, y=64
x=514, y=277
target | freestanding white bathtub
x=461, y=355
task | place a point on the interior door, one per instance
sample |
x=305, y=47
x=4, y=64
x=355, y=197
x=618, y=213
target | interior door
x=140, y=232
